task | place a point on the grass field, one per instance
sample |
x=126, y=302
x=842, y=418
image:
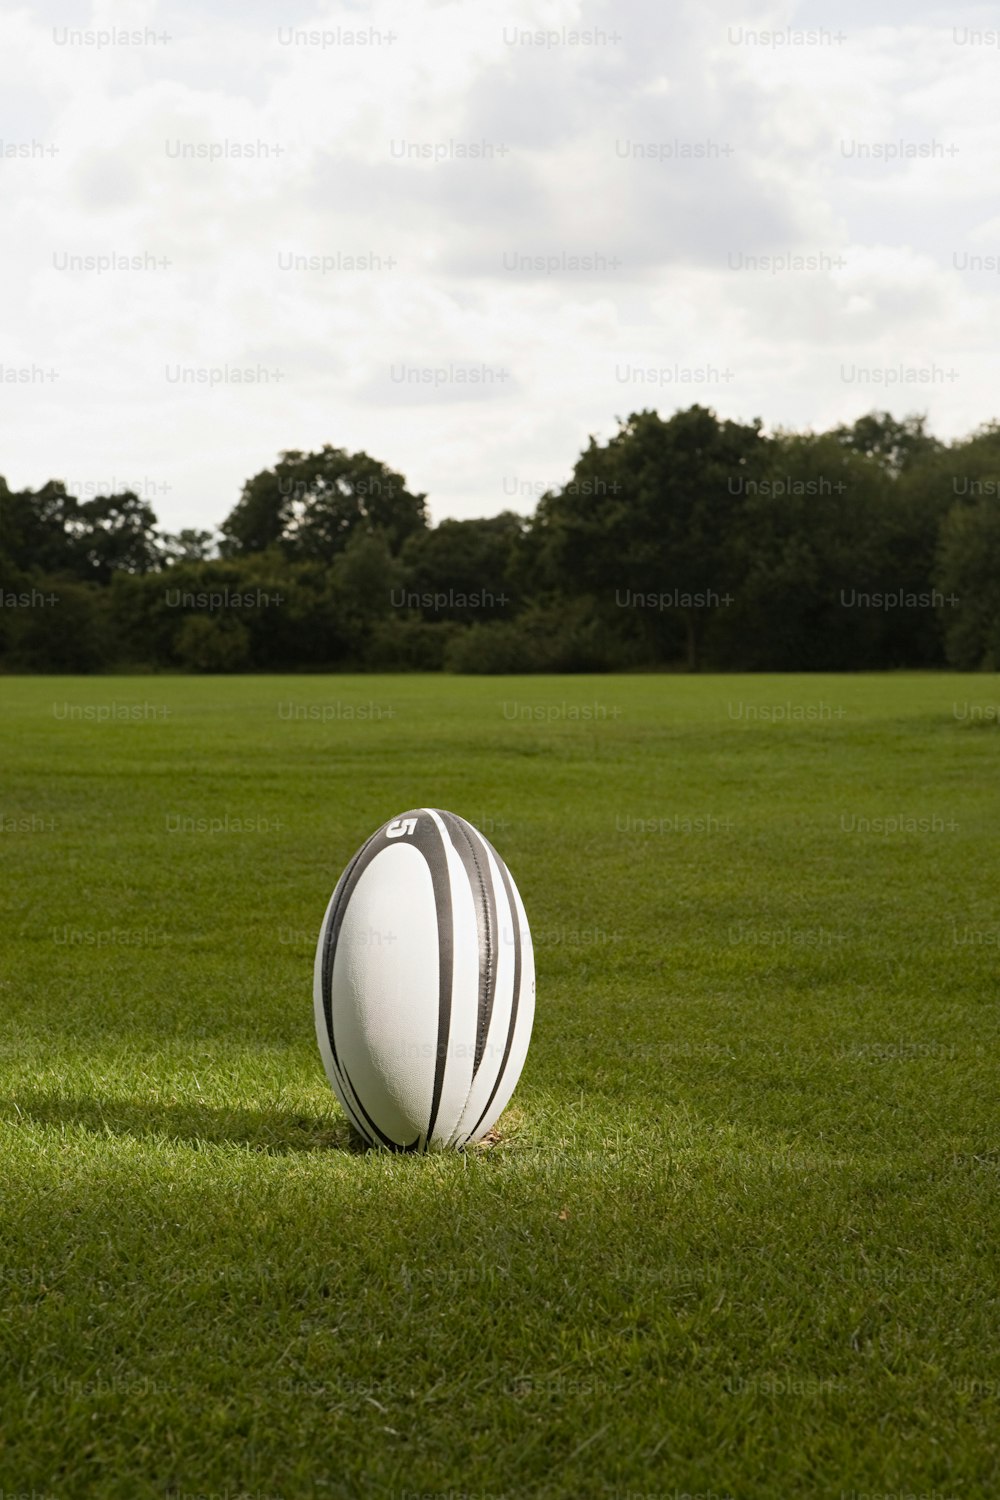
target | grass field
x=738, y=1235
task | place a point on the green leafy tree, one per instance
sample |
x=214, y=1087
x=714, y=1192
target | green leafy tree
x=35, y=529
x=895, y=444
x=469, y=564
x=651, y=516
x=213, y=643
x=969, y=571
x=363, y=580
x=69, y=632
x=811, y=539
x=54, y=533
x=189, y=545
x=309, y=504
x=115, y=533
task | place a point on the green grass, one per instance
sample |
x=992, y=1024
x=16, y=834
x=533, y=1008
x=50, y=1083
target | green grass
x=739, y=1231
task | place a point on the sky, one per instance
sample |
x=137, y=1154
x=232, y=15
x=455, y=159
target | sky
x=465, y=237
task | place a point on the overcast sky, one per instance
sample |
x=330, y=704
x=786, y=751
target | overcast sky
x=463, y=246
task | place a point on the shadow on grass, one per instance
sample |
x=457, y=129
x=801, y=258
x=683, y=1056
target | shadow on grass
x=273, y=1132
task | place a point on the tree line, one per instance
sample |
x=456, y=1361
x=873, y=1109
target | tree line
x=684, y=541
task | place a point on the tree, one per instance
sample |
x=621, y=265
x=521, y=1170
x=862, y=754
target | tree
x=648, y=520
x=114, y=533
x=362, y=580
x=54, y=533
x=212, y=643
x=66, y=632
x=35, y=528
x=810, y=538
x=189, y=545
x=465, y=567
x=309, y=504
x=893, y=444
x=969, y=570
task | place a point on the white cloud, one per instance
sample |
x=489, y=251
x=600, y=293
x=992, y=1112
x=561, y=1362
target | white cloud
x=672, y=147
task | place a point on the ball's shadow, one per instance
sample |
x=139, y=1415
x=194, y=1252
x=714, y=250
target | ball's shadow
x=273, y=1132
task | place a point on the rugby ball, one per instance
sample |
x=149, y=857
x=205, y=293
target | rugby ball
x=424, y=984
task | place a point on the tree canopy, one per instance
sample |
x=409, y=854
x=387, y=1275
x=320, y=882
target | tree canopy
x=310, y=504
x=680, y=541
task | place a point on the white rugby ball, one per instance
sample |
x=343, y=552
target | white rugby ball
x=424, y=984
